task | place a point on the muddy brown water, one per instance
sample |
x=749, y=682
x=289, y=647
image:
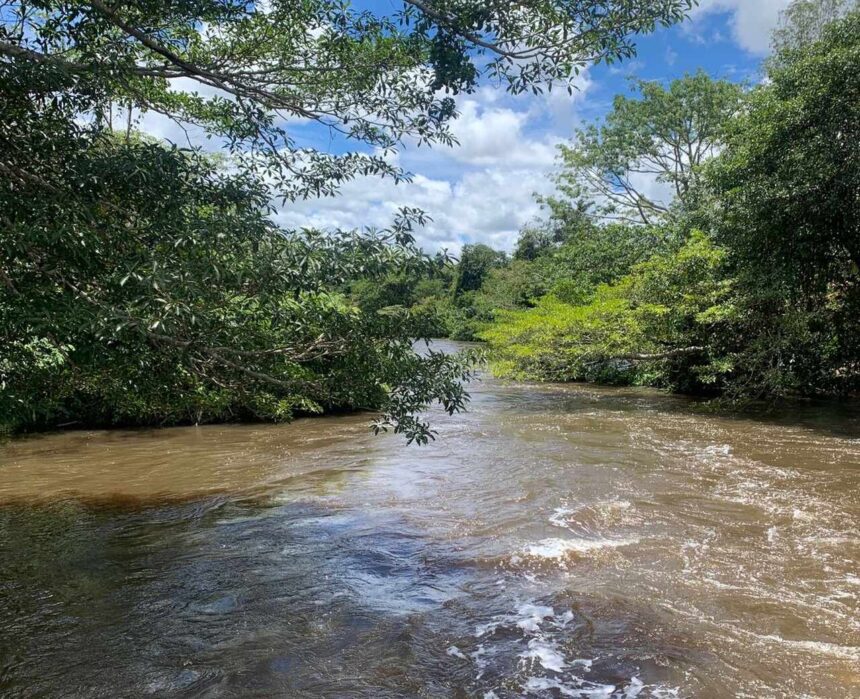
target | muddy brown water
x=555, y=541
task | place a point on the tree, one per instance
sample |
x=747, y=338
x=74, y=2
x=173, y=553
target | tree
x=476, y=261
x=533, y=242
x=788, y=181
x=174, y=299
x=765, y=302
x=803, y=22
x=654, y=325
x=662, y=136
x=253, y=69
x=565, y=219
x=597, y=255
x=787, y=191
x=147, y=284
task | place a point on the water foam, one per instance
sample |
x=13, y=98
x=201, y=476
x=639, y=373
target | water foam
x=560, y=548
x=545, y=665
x=604, y=512
x=560, y=516
x=818, y=647
x=581, y=690
x=533, y=616
x=546, y=653
x=455, y=652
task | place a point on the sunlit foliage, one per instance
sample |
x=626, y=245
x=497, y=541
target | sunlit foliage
x=750, y=286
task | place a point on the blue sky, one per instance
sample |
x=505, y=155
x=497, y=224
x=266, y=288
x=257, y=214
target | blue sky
x=483, y=190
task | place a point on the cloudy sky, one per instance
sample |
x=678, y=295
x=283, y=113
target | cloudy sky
x=483, y=190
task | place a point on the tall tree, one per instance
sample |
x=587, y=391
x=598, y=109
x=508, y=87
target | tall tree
x=789, y=179
x=788, y=208
x=765, y=303
x=476, y=261
x=661, y=136
x=803, y=22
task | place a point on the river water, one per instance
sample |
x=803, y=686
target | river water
x=555, y=541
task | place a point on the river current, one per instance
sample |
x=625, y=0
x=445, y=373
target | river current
x=554, y=541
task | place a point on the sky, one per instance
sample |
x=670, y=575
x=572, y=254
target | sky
x=483, y=191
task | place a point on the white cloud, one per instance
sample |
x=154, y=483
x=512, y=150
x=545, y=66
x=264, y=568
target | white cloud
x=649, y=186
x=489, y=205
x=670, y=56
x=495, y=136
x=562, y=107
x=752, y=20
x=480, y=191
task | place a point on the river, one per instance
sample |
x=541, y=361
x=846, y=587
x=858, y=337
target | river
x=555, y=541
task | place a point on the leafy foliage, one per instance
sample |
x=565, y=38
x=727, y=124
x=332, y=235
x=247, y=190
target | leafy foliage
x=476, y=261
x=174, y=298
x=567, y=256
x=664, y=135
x=251, y=68
x=147, y=284
x=803, y=21
x=789, y=180
x=653, y=324
x=763, y=302
x=787, y=192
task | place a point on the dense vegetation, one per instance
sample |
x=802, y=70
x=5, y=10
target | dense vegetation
x=144, y=283
x=744, y=281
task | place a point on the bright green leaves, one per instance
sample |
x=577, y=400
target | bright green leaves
x=763, y=305
x=663, y=135
x=648, y=323
x=786, y=205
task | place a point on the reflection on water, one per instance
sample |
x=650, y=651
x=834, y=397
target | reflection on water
x=554, y=542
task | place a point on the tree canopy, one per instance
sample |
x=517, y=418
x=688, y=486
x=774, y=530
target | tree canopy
x=245, y=72
x=747, y=284
x=661, y=136
x=146, y=283
x=789, y=179
x=803, y=21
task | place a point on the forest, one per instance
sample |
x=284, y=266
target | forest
x=144, y=283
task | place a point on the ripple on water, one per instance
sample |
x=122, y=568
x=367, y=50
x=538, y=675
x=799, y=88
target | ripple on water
x=553, y=542
x=560, y=549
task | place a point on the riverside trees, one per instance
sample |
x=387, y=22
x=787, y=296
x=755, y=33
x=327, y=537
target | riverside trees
x=143, y=283
x=751, y=286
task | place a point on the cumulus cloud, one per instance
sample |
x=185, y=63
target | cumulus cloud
x=490, y=136
x=487, y=205
x=481, y=190
x=752, y=20
x=562, y=107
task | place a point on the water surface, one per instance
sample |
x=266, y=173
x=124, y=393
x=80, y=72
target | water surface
x=556, y=541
